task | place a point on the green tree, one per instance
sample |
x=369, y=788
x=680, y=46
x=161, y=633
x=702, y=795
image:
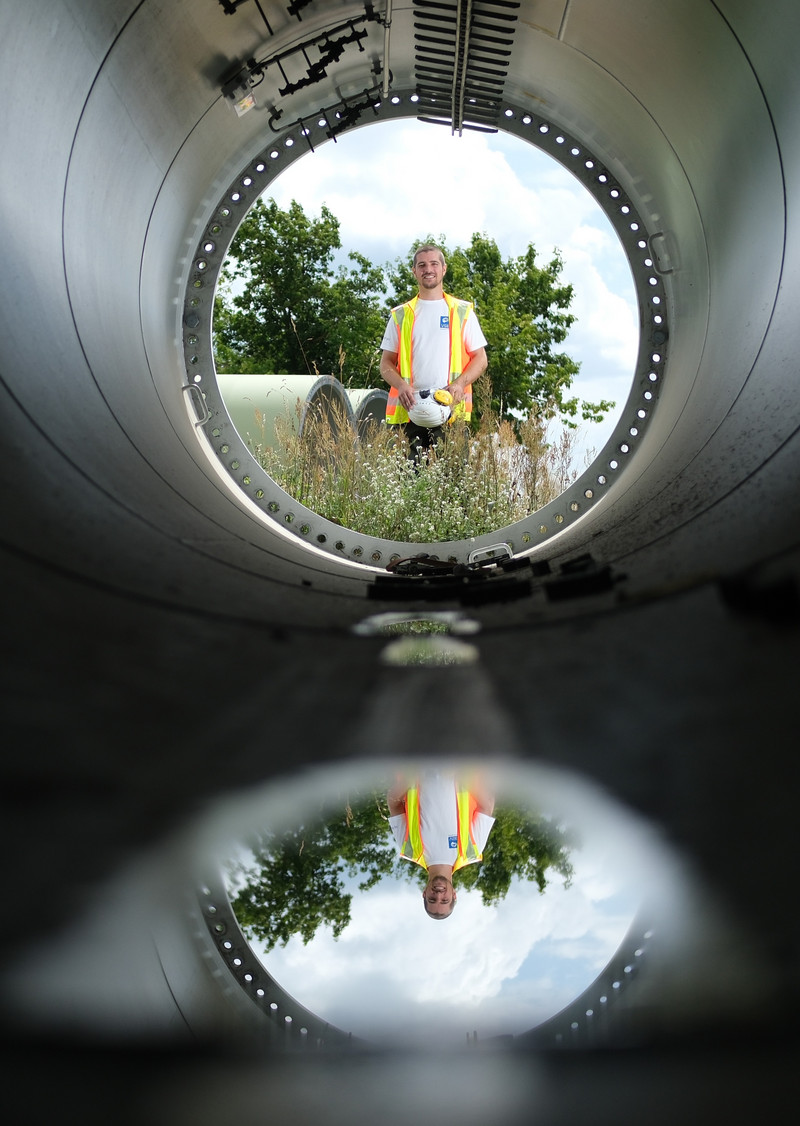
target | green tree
x=281, y=305
x=523, y=311
x=295, y=883
x=522, y=845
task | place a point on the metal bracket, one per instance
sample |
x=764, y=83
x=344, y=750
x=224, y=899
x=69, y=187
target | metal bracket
x=198, y=401
x=491, y=554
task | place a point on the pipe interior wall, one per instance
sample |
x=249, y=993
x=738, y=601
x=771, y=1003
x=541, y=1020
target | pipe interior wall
x=133, y=226
x=166, y=646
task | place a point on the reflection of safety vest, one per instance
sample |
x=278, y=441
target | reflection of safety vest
x=403, y=317
x=466, y=808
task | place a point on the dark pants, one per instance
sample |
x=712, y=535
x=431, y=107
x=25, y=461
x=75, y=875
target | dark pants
x=421, y=438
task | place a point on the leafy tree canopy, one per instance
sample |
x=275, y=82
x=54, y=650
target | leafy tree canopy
x=295, y=884
x=282, y=306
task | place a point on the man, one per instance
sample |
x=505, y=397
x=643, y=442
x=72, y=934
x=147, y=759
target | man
x=432, y=343
x=441, y=825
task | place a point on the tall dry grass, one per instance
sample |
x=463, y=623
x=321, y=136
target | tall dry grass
x=469, y=485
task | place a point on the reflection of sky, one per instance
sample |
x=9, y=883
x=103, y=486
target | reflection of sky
x=494, y=970
x=394, y=973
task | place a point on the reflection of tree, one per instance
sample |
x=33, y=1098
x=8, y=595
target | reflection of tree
x=295, y=883
x=521, y=844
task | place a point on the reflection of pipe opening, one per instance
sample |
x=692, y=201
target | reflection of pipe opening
x=632, y=917
x=397, y=981
x=630, y=925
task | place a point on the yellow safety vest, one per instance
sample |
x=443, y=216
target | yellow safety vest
x=467, y=852
x=403, y=317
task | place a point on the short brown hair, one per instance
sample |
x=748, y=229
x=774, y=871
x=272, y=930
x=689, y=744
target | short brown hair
x=427, y=246
x=430, y=914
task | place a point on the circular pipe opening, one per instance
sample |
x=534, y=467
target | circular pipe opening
x=244, y=473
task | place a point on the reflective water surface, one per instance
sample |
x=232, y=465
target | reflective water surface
x=338, y=917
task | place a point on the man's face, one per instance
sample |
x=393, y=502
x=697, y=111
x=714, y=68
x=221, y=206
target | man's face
x=429, y=269
x=439, y=896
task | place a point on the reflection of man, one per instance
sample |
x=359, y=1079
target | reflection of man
x=440, y=825
x=433, y=342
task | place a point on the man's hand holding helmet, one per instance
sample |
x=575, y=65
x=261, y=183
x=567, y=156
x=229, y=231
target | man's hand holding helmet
x=428, y=410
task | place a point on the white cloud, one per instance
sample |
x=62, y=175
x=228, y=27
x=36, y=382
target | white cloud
x=396, y=972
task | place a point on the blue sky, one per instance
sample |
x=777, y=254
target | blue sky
x=392, y=182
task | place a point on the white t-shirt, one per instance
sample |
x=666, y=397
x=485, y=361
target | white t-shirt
x=431, y=342
x=439, y=821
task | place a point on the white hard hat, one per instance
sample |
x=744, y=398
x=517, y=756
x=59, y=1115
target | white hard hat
x=427, y=412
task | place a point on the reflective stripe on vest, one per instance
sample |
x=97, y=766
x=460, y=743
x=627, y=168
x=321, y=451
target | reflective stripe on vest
x=467, y=851
x=403, y=317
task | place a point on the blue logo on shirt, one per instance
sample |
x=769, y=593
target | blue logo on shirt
x=444, y=322
x=452, y=842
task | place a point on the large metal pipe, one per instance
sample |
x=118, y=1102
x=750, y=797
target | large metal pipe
x=131, y=177
x=157, y=623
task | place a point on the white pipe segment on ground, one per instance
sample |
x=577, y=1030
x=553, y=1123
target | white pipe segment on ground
x=256, y=402
x=169, y=644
